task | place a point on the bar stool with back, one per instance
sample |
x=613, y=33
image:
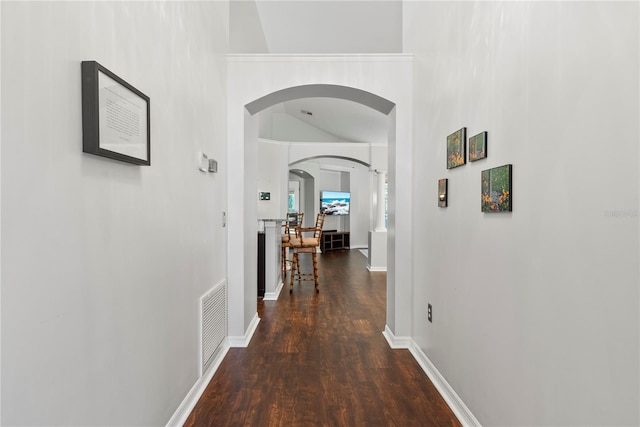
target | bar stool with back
x=293, y=220
x=306, y=245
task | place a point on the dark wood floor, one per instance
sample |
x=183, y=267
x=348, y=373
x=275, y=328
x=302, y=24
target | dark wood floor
x=321, y=360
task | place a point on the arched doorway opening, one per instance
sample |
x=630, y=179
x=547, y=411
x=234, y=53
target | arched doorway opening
x=243, y=140
x=318, y=174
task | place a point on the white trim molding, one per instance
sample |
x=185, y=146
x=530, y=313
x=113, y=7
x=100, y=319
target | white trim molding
x=359, y=247
x=244, y=341
x=460, y=410
x=454, y=401
x=183, y=411
x=347, y=57
x=376, y=268
x=273, y=296
x=395, y=342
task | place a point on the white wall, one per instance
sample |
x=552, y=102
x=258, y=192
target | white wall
x=332, y=27
x=311, y=202
x=246, y=33
x=273, y=177
x=243, y=214
x=535, y=312
x=103, y=262
x=360, y=216
x=345, y=185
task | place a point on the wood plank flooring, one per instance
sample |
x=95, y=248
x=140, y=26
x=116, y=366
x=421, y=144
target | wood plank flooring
x=321, y=360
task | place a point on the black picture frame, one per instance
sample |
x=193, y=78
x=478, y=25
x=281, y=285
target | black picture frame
x=116, y=117
x=478, y=147
x=497, y=189
x=442, y=192
x=457, y=148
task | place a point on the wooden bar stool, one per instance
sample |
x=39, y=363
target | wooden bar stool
x=306, y=245
x=293, y=220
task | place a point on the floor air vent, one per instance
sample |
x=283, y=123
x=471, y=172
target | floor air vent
x=213, y=315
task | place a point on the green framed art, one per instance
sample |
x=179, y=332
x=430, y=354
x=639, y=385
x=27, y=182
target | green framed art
x=497, y=191
x=456, y=148
x=478, y=147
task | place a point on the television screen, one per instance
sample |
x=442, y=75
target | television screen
x=335, y=202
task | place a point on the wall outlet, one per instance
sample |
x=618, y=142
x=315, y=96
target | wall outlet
x=429, y=313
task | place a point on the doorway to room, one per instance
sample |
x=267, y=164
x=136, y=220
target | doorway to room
x=352, y=180
x=243, y=139
x=330, y=145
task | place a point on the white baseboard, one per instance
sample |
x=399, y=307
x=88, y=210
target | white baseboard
x=460, y=410
x=396, y=342
x=184, y=409
x=358, y=247
x=376, y=268
x=273, y=296
x=246, y=339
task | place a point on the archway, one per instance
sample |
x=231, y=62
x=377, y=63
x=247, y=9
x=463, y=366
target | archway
x=364, y=231
x=369, y=99
x=323, y=173
x=261, y=82
x=320, y=156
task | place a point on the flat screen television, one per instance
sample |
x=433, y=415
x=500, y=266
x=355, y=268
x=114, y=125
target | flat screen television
x=335, y=202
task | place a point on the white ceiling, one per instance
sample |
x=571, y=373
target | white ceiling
x=315, y=26
x=321, y=27
x=346, y=120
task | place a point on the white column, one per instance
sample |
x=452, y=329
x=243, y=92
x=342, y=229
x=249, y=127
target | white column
x=382, y=178
x=272, y=273
x=377, y=260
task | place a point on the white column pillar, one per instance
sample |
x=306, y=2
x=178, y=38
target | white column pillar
x=272, y=273
x=380, y=211
x=377, y=260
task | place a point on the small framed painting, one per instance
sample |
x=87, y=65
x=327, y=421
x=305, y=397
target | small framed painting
x=456, y=148
x=496, y=189
x=478, y=147
x=442, y=192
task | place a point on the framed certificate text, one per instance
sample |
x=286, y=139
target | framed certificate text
x=115, y=117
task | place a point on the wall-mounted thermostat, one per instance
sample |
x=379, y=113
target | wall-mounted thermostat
x=265, y=196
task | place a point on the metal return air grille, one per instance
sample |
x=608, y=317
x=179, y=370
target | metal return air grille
x=214, y=323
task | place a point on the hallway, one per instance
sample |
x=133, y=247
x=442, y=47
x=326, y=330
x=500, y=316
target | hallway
x=321, y=359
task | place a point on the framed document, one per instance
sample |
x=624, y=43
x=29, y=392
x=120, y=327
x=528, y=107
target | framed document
x=115, y=117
